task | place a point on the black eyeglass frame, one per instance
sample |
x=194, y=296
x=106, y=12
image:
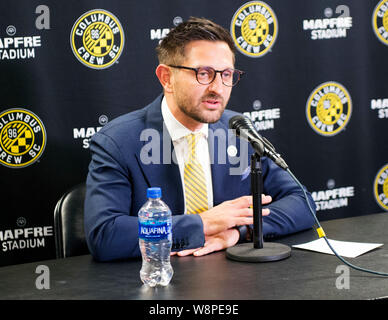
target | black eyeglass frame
x=240, y=74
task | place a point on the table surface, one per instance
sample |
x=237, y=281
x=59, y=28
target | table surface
x=304, y=275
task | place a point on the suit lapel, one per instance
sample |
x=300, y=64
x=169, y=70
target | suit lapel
x=162, y=172
x=225, y=185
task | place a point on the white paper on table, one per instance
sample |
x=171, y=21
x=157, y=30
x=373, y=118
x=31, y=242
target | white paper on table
x=343, y=248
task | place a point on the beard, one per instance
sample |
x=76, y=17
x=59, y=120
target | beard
x=193, y=110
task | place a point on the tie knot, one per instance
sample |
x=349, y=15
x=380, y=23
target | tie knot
x=193, y=139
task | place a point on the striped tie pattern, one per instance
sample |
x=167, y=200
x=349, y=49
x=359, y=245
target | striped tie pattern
x=194, y=179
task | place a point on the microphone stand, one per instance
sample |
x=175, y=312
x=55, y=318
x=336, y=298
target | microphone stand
x=259, y=251
x=256, y=187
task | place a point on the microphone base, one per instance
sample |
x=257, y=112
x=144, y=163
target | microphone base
x=246, y=252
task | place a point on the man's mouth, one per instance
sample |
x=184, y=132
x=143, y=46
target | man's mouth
x=212, y=103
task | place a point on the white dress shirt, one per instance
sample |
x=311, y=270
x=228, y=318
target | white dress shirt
x=178, y=132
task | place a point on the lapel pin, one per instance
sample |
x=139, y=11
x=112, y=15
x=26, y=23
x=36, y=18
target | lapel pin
x=232, y=151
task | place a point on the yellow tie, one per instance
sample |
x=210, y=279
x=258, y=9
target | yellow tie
x=194, y=179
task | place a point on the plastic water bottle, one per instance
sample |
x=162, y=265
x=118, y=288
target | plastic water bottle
x=155, y=240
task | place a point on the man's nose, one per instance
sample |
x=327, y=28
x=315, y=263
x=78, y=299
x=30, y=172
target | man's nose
x=217, y=85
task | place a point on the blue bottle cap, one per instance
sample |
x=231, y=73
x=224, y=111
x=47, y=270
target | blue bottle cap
x=154, y=193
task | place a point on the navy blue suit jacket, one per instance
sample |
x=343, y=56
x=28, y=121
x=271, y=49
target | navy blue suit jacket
x=119, y=177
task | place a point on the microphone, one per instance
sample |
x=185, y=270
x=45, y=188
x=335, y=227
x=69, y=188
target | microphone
x=245, y=130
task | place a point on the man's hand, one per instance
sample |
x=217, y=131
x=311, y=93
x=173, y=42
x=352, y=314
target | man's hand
x=219, y=223
x=237, y=212
x=220, y=241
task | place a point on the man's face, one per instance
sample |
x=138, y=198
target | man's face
x=198, y=103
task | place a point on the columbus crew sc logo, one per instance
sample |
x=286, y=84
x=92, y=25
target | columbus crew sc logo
x=97, y=39
x=22, y=138
x=380, y=21
x=254, y=28
x=329, y=108
x=381, y=187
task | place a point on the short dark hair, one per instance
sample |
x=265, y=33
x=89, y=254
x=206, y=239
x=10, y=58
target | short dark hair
x=171, y=50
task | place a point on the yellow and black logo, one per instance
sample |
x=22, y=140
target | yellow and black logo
x=97, y=39
x=381, y=187
x=380, y=21
x=254, y=28
x=329, y=108
x=22, y=138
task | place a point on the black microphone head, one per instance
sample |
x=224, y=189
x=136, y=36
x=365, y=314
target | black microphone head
x=246, y=130
x=240, y=122
x=233, y=121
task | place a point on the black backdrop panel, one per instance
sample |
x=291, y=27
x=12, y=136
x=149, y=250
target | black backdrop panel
x=51, y=103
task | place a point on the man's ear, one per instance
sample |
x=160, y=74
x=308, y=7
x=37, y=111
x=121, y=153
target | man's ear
x=165, y=76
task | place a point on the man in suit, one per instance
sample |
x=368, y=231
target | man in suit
x=178, y=143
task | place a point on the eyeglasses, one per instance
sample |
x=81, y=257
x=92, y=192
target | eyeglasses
x=206, y=75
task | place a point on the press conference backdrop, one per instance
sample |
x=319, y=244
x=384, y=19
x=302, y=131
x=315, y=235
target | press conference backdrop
x=315, y=86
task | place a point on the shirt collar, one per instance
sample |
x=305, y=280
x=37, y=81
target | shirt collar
x=174, y=127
